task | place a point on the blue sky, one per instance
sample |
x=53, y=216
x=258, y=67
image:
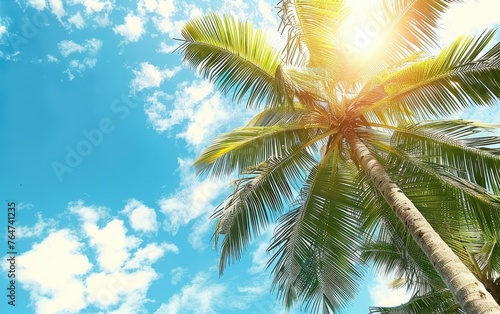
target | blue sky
x=100, y=124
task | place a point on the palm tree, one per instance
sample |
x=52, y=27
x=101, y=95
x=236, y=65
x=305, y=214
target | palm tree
x=338, y=133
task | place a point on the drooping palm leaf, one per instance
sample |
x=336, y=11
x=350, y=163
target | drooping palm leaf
x=257, y=200
x=316, y=244
x=438, y=186
x=458, y=144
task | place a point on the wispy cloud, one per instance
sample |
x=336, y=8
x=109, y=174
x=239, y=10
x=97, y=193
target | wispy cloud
x=200, y=296
x=90, y=46
x=204, y=112
x=95, y=6
x=37, y=229
x=38, y=4
x=150, y=76
x=193, y=199
x=51, y=58
x=3, y=30
x=164, y=48
x=177, y=274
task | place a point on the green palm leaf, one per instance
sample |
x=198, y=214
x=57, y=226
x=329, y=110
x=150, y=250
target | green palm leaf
x=256, y=201
x=316, y=244
x=460, y=145
x=269, y=134
x=234, y=55
x=454, y=80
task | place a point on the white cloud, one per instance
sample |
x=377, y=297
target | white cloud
x=146, y=6
x=126, y=291
x=81, y=66
x=132, y=29
x=71, y=76
x=382, y=294
x=112, y=244
x=60, y=278
x=177, y=274
x=150, y=254
x=191, y=201
x=195, y=102
x=57, y=8
x=87, y=214
x=77, y=20
x=51, y=58
x=94, y=6
x=38, y=4
x=63, y=292
x=91, y=46
x=200, y=297
x=3, y=30
x=209, y=114
x=151, y=76
x=67, y=47
x=77, y=66
x=165, y=10
x=22, y=206
x=141, y=217
x=102, y=21
x=37, y=229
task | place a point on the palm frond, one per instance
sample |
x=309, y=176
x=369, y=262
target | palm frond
x=442, y=197
x=457, y=144
x=312, y=26
x=410, y=26
x=317, y=244
x=456, y=79
x=234, y=55
x=247, y=147
x=257, y=199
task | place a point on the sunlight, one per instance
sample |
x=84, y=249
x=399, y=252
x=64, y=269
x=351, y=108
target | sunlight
x=360, y=32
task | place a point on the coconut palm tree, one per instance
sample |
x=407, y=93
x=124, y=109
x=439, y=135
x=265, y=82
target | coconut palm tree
x=340, y=131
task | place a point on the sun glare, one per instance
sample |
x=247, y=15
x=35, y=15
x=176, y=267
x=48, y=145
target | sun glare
x=361, y=31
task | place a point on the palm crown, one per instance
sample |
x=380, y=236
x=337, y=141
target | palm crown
x=345, y=148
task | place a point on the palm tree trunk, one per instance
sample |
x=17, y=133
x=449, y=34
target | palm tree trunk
x=469, y=292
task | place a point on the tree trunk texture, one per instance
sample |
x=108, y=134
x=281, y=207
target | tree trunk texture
x=469, y=292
